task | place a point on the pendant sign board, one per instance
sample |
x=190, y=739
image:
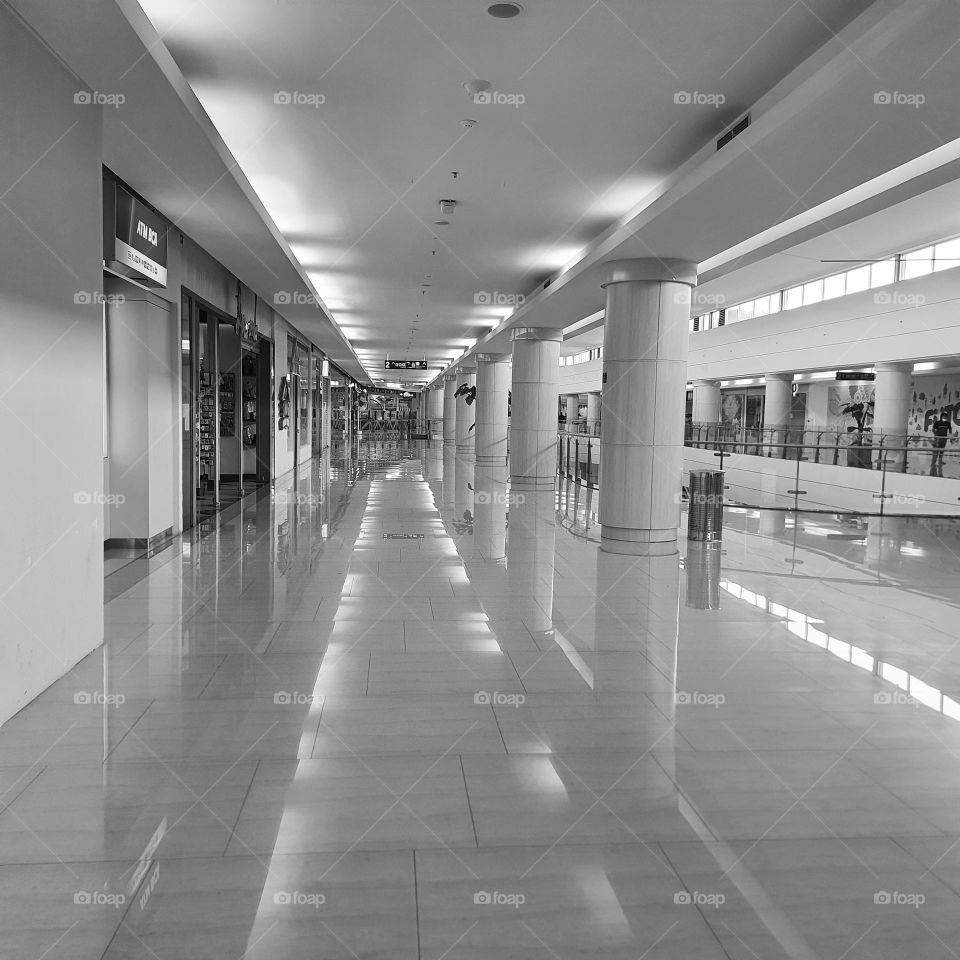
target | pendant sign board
x=855, y=375
x=141, y=239
x=404, y=364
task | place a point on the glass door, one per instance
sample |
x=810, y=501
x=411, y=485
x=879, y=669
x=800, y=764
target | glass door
x=207, y=474
x=188, y=415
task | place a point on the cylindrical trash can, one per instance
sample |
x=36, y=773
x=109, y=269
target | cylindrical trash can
x=705, y=515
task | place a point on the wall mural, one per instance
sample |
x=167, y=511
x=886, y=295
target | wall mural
x=846, y=396
x=930, y=397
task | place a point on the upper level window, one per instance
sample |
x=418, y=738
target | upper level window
x=917, y=263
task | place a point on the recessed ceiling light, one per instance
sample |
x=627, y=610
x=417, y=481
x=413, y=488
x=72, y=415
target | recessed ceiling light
x=441, y=223
x=504, y=11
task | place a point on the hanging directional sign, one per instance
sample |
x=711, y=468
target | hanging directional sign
x=855, y=375
x=404, y=364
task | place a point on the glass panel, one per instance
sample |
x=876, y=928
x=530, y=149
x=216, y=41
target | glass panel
x=747, y=310
x=835, y=286
x=761, y=306
x=792, y=298
x=812, y=292
x=883, y=273
x=918, y=263
x=947, y=255
x=733, y=315
x=858, y=279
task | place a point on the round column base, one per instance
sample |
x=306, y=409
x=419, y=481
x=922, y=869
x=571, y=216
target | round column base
x=639, y=543
x=533, y=483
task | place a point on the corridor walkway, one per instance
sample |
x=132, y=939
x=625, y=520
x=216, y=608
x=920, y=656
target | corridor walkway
x=362, y=719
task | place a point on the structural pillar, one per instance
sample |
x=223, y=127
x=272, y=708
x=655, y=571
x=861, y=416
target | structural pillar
x=493, y=389
x=891, y=411
x=490, y=482
x=645, y=342
x=466, y=411
x=777, y=400
x=435, y=412
x=449, y=410
x=593, y=413
x=533, y=421
x=571, y=408
x=706, y=401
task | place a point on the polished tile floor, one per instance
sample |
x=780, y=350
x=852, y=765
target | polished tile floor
x=360, y=718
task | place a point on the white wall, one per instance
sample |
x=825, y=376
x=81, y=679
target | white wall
x=581, y=377
x=911, y=320
x=143, y=382
x=51, y=369
x=759, y=481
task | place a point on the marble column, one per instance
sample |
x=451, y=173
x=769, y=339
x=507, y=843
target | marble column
x=778, y=398
x=449, y=410
x=593, y=413
x=533, y=422
x=493, y=388
x=706, y=401
x=646, y=334
x=571, y=407
x=891, y=411
x=435, y=412
x=466, y=412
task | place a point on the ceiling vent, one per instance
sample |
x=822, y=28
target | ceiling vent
x=734, y=131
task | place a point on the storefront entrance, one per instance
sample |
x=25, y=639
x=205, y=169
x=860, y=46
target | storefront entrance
x=225, y=411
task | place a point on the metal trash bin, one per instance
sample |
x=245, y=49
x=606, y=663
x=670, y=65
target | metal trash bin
x=705, y=514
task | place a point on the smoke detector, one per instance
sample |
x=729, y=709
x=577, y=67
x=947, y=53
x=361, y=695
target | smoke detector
x=446, y=207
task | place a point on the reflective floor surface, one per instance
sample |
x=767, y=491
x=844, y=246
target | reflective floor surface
x=396, y=711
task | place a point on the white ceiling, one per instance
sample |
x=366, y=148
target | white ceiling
x=353, y=184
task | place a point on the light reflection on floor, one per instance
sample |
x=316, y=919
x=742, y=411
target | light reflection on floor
x=398, y=709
